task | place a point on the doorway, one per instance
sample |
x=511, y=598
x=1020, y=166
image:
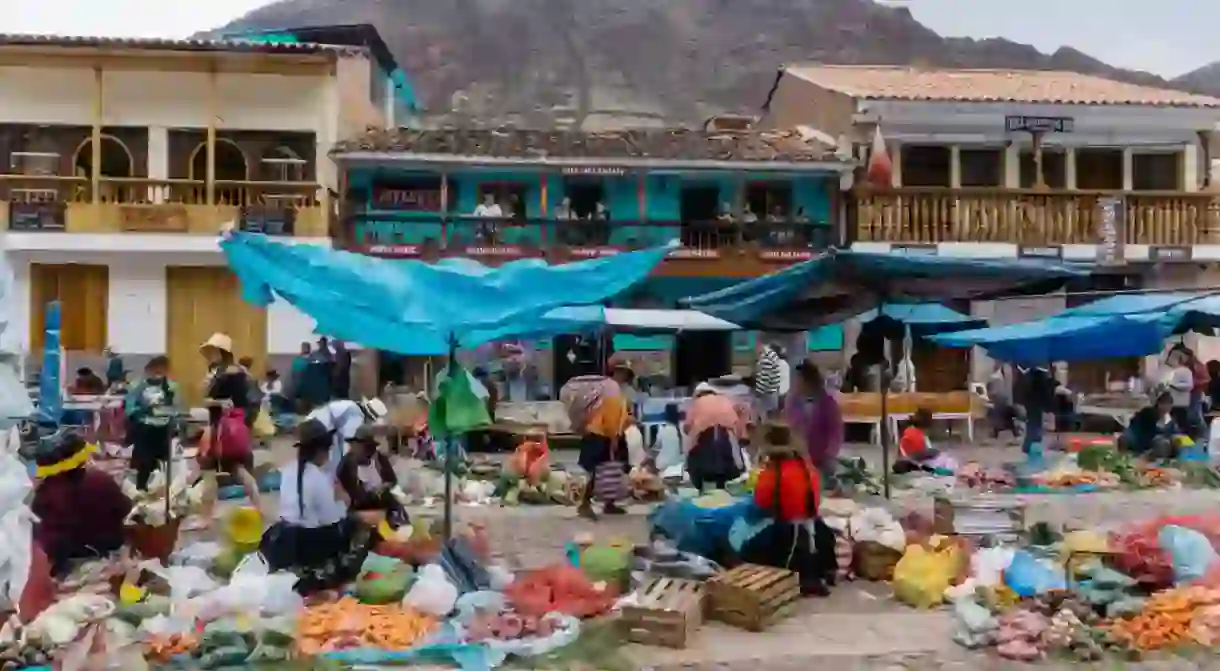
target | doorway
x=699, y=207
x=83, y=295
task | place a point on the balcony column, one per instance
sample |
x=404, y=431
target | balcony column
x=95, y=142
x=896, y=165
x=1012, y=166
x=955, y=167
x=1190, y=167
x=158, y=162
x=211, y=140
x=1069, y=168
x=1128, y=169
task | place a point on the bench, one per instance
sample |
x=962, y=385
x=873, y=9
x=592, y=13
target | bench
x=865, y=408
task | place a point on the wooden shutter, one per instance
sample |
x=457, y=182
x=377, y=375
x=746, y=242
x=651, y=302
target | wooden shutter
x=83, y=293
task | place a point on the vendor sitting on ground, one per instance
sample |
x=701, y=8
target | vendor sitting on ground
x=80, y=510
x=315, y=537
x=367, y=476
x=1152, y=431
x=915, y=447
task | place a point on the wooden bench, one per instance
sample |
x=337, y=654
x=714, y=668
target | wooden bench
x=865, y=408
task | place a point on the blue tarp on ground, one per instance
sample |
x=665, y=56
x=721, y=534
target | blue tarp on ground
x=409, y=306
x=839, y=285
x=1067, y=338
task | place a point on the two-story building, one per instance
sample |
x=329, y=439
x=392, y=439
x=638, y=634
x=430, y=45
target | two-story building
x=121, y=159
x=742, y=203
x=996, y=163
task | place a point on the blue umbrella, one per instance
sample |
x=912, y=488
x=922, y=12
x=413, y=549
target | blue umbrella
x=924, y=319
x=841, y=284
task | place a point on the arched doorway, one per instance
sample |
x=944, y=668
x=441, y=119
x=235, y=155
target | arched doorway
x=231, y=166
x=116, y=161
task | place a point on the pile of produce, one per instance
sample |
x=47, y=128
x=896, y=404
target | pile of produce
x=1076, y=478
x=162, y=649
x=28, y=653
x=1169, y=620
x=557, y=487
x=975, y=476
x=854, y=476
x=559, y=589
x=347, y=624
x=149, y=505
x=509, y=626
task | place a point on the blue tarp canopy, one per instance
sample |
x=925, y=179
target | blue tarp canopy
x=841, y=284
x=1191, y=311
x=1066, y=338
x=925, y=319
x=409, y=306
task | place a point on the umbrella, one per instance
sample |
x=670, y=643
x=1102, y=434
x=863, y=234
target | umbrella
x=923, y=319
x=1067, y=338
x=841, y=284
x=388, y=304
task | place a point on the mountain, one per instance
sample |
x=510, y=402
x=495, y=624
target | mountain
x=1204, y=80
x=641, y=62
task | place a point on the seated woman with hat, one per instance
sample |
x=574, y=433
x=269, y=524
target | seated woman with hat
x=315, y=538
x=367, y=476
x=80, y=510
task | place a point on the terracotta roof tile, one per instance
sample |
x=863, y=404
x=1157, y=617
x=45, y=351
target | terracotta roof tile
x=880, y=82
x=665, y=144
x=160, y=44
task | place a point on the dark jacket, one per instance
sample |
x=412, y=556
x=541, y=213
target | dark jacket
x=362, y=498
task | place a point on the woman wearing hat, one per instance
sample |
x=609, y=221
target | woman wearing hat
x=713, y=430
x=231, y=400
x=367, y=476
x=80, y=510
x=598, y=411
x=315, y=538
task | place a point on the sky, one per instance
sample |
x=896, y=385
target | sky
x=1167, y=37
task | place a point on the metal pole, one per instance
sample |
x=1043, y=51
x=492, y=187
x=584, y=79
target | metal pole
x=451, y=444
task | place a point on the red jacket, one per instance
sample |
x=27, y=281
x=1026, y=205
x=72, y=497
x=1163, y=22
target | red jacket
x=1198, y=370
x=799, y=489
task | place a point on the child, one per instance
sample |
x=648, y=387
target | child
x=914, y=445
x=667, y=447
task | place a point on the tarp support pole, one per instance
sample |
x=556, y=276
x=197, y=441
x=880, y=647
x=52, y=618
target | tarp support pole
x=451, y=442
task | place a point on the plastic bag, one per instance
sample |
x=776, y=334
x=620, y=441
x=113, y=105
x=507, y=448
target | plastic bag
x=469, y=604
x=973, y=625
x=263, y=426
x=1029, y=576
x=432, y=593
x=16, y=522
x=924, y=573
x=1191, y=555
x=878, y=526
x=383, y=580
x=987, y=565
x=252, y=589
x=199, y=553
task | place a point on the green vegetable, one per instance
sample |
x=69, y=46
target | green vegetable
x=378, y=589
x=226, y=562
x=602, y=563
x=136, y=613
x=227, y=656
x=512, y=497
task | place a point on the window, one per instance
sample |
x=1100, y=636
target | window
x=1054, y=169
x=1156, y=172
x=412, y=194
x=699, y=203
x=924, y=165
x=282, y=165
x=769, y=199
x=510, y=196
x=982, y=167
x=584, y=194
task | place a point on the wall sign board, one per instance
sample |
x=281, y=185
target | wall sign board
x=1039, y=124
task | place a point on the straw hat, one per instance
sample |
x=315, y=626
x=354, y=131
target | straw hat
x=218, y=341
x=61, y=452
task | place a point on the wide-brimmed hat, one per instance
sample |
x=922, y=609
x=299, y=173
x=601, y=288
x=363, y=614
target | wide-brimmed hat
x=705, y=388
x=374, y=409
x=312, y=431
x=61, y=452
x=218, y=341
x=777, y=437
x=364, y=435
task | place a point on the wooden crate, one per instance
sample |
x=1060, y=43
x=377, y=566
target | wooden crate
x=753, y=597
x=669, y=611
x=979, y=516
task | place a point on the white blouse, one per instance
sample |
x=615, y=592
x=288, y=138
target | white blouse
x=322, y=507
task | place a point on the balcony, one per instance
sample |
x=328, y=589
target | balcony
x=709, y=248
x=1034, y=217
x=138, y=205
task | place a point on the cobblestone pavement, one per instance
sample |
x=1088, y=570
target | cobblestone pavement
x=859, y=626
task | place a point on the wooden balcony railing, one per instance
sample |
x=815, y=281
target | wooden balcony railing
x=423, y=234
x=1033, y=217
x=50, y=203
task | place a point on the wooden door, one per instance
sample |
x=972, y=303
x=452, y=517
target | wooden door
x=203, y=300
x=83, y=295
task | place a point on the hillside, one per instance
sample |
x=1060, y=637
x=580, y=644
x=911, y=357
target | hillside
x=614, y=62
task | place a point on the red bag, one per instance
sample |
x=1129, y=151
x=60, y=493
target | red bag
x=789, y=488
x=232, y=439
x=39, y=592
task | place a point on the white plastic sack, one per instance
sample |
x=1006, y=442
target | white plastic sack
x=16, y=520
x=432, y=593
x=987, y=566
x=200, y=553
x=877, y=525
x=636, y=454
x=252, y=589
x=185, y=582
x=973, y=625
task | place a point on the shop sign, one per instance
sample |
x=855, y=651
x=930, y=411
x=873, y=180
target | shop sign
x=594, y=171
x=1040, y=252
x=49, y=216
x=393, y=250
x=593, y=252
x=1039, y=124
x=782, y=255
x=915, y=250
x=154, y=219
x=1169, y=253
x=494, y=251
x=693, y=253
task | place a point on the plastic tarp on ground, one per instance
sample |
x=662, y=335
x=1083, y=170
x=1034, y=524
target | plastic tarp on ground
x=1067, y=338
x=842, y=284
x=404, y=306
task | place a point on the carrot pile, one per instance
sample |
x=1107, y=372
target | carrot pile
x=347, y=624
x=1168, y=619
x=162, y=649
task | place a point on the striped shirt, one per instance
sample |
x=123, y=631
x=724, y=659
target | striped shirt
x=767, y=373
